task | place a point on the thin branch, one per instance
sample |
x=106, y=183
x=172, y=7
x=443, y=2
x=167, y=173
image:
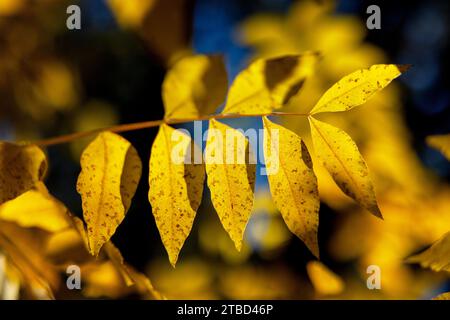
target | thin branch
x=151, y=124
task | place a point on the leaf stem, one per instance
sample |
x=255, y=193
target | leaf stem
x=154, y=123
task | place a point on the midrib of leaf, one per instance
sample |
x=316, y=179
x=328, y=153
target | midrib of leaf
x=336, y=156
x=102, y=189
x=230, y=194
x=168, y=148
x=289, y=181
x=340, y=95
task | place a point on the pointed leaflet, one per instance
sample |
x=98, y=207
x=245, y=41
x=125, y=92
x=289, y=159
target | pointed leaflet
x=268, y=84
x=292, y=182
x=231, y=178
x=196, y=85
x=21, y=167
x=436, y=257
x=110, y=173
x=341, y=157
x=176, y=187
x=358, y=87
x=441, y=143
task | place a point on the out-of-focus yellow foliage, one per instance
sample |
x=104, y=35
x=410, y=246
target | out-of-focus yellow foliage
x=55, y=85
x=24, y=250
x=176, y=187
x=437, y=257
x=11, y=7
x=35, y=252
x=387, y=243
x=192, y=279
x=231, y=178
x=131, y=14
x=103, y=280
x=442, y=143
x=194, y=86
x=292, y=182
x=21, y=168
x=110, y=173
x=249, y=282
x=325, y=281
x=195, y=279
x=47, y=213
x=93, y=115
x=268, y=84
x=37, y=83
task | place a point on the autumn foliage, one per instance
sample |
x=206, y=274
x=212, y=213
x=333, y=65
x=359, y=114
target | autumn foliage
x=320, y=130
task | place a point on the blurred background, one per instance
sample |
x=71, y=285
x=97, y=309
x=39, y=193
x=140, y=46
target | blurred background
x=56, y=81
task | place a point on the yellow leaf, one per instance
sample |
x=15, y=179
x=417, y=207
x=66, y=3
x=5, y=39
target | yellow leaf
x=36, y=208
x=437, y=257
x=110, y=173
x=443, y=296
x=195, y=86
x=292, y=182
x=102, y=279
x=441, y=143
x=325, y=281
x=340, y=156
x=268, y=84
x=21, y=167
x=176, y=188
x=358, y=87
x=231, y=178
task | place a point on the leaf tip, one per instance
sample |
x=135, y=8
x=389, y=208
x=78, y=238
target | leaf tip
x=314, y=248
x=404, y=67
x=173, y=258
x=376, y=212
x=238, y=244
